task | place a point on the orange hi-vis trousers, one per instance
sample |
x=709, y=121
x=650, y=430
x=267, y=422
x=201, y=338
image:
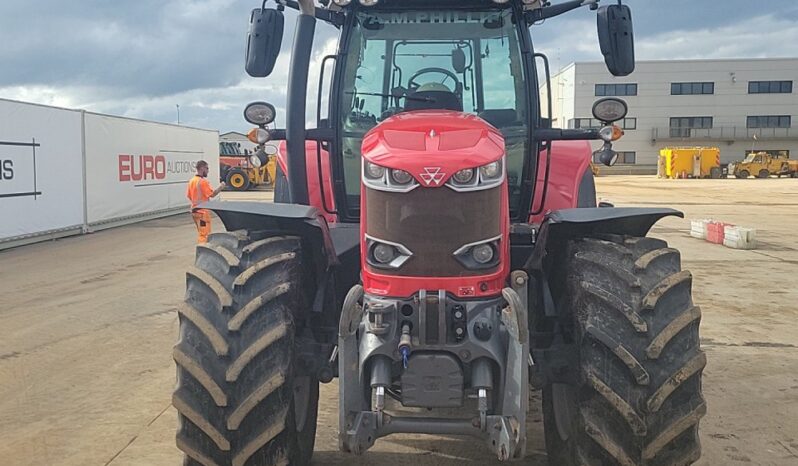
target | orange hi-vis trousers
x=202, y=218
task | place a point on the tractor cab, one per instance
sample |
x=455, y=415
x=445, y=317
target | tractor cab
x=468, y=61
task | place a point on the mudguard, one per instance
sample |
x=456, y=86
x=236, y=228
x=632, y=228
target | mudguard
x=285, y=219
x=563, y=225
x=334, y=249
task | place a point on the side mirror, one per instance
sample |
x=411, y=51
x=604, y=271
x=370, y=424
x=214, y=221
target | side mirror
x=458, y=60
x=263, y=41
x=616, y=38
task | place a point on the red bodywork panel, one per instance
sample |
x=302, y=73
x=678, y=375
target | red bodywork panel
x=570, y=160
x=314, y=190
x=445, y=141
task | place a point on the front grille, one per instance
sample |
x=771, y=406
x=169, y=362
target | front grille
x=433, y=223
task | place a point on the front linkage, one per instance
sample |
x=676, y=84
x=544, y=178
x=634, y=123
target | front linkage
x=410, y=349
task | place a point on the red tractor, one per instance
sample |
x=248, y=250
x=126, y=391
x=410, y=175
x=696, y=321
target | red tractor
x=437, y=246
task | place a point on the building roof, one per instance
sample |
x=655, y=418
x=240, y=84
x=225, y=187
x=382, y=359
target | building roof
x=232, y=133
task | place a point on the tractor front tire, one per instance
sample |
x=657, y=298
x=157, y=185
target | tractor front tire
x=764, y=174
x=635, y=393
x=239, y=397
x=743, y=174
x=238, y=179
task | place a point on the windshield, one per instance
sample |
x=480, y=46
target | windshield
x=473, y=55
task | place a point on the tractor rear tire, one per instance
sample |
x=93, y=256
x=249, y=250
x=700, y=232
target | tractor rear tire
x=764, y=174
x=239, y=397
x=635, y=397
x=715, y=173
x=238, y=179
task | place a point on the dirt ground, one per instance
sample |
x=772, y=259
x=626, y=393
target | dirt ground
x=87, y=325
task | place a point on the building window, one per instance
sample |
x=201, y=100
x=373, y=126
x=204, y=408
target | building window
x=615, y=89
x=592, y=123
x=681, y=126
x=770, y=87
x=624, y=158
x=692, y=88
x=769, y=121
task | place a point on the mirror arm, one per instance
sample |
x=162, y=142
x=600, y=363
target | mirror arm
x=335, y=18
x=556, y=134
x=313, y=134
x=539, y=14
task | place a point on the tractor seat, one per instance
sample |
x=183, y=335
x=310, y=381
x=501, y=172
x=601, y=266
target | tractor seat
x=440, y=98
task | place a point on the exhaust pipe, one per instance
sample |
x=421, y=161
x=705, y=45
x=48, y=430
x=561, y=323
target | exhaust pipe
x=297, y=96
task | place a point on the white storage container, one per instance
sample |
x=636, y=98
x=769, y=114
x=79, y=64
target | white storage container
x=739, y=237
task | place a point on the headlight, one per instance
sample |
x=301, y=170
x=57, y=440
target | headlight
x=368, y=2
x=464, y=176
x=491, y=171
x=476, y=179
x=374, y=172
x=259, y=113
x=383, y=254
x=480, y=254
x=609, y=109
x=385, y=179
x=342, y=2
x=401, y=176
x=259, y=158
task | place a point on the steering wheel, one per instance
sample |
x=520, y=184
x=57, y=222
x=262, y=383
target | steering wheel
x=413, y=84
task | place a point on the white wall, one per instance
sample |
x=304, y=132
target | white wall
x=91, y=171
x=41, y=185
x=136, y=167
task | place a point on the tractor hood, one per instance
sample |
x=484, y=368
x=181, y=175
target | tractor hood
x=433, y=141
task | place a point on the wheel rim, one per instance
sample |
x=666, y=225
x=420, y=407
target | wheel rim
x=301, y=401
x=237, y=180
x=563, y=400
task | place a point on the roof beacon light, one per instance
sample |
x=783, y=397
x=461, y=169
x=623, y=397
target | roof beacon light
x=368, y=2
x=342, y=2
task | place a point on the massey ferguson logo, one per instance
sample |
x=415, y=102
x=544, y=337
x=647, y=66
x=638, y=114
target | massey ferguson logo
x=432, y=175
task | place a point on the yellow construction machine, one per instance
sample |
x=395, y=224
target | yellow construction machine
x=764, y=164
x=240, y=174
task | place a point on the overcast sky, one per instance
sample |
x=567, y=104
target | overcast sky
x=139, y=58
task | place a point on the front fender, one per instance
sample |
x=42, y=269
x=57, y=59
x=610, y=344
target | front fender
x=279, y=219
x=567, y=224
x=562, y=225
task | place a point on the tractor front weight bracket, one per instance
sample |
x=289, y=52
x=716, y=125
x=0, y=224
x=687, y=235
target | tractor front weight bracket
x=504, y=431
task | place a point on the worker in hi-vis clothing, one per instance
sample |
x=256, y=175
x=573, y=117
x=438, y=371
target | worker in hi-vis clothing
x=199, y=190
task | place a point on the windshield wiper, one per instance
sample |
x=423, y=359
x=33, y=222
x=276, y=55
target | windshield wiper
x=378, y=94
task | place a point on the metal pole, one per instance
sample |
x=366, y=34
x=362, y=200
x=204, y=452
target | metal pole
x=178, y=113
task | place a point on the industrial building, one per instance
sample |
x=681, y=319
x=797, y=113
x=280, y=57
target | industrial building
x=734, y=104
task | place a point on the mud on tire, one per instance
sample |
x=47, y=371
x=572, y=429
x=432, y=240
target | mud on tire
x=637, y=395
x=237, y=387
